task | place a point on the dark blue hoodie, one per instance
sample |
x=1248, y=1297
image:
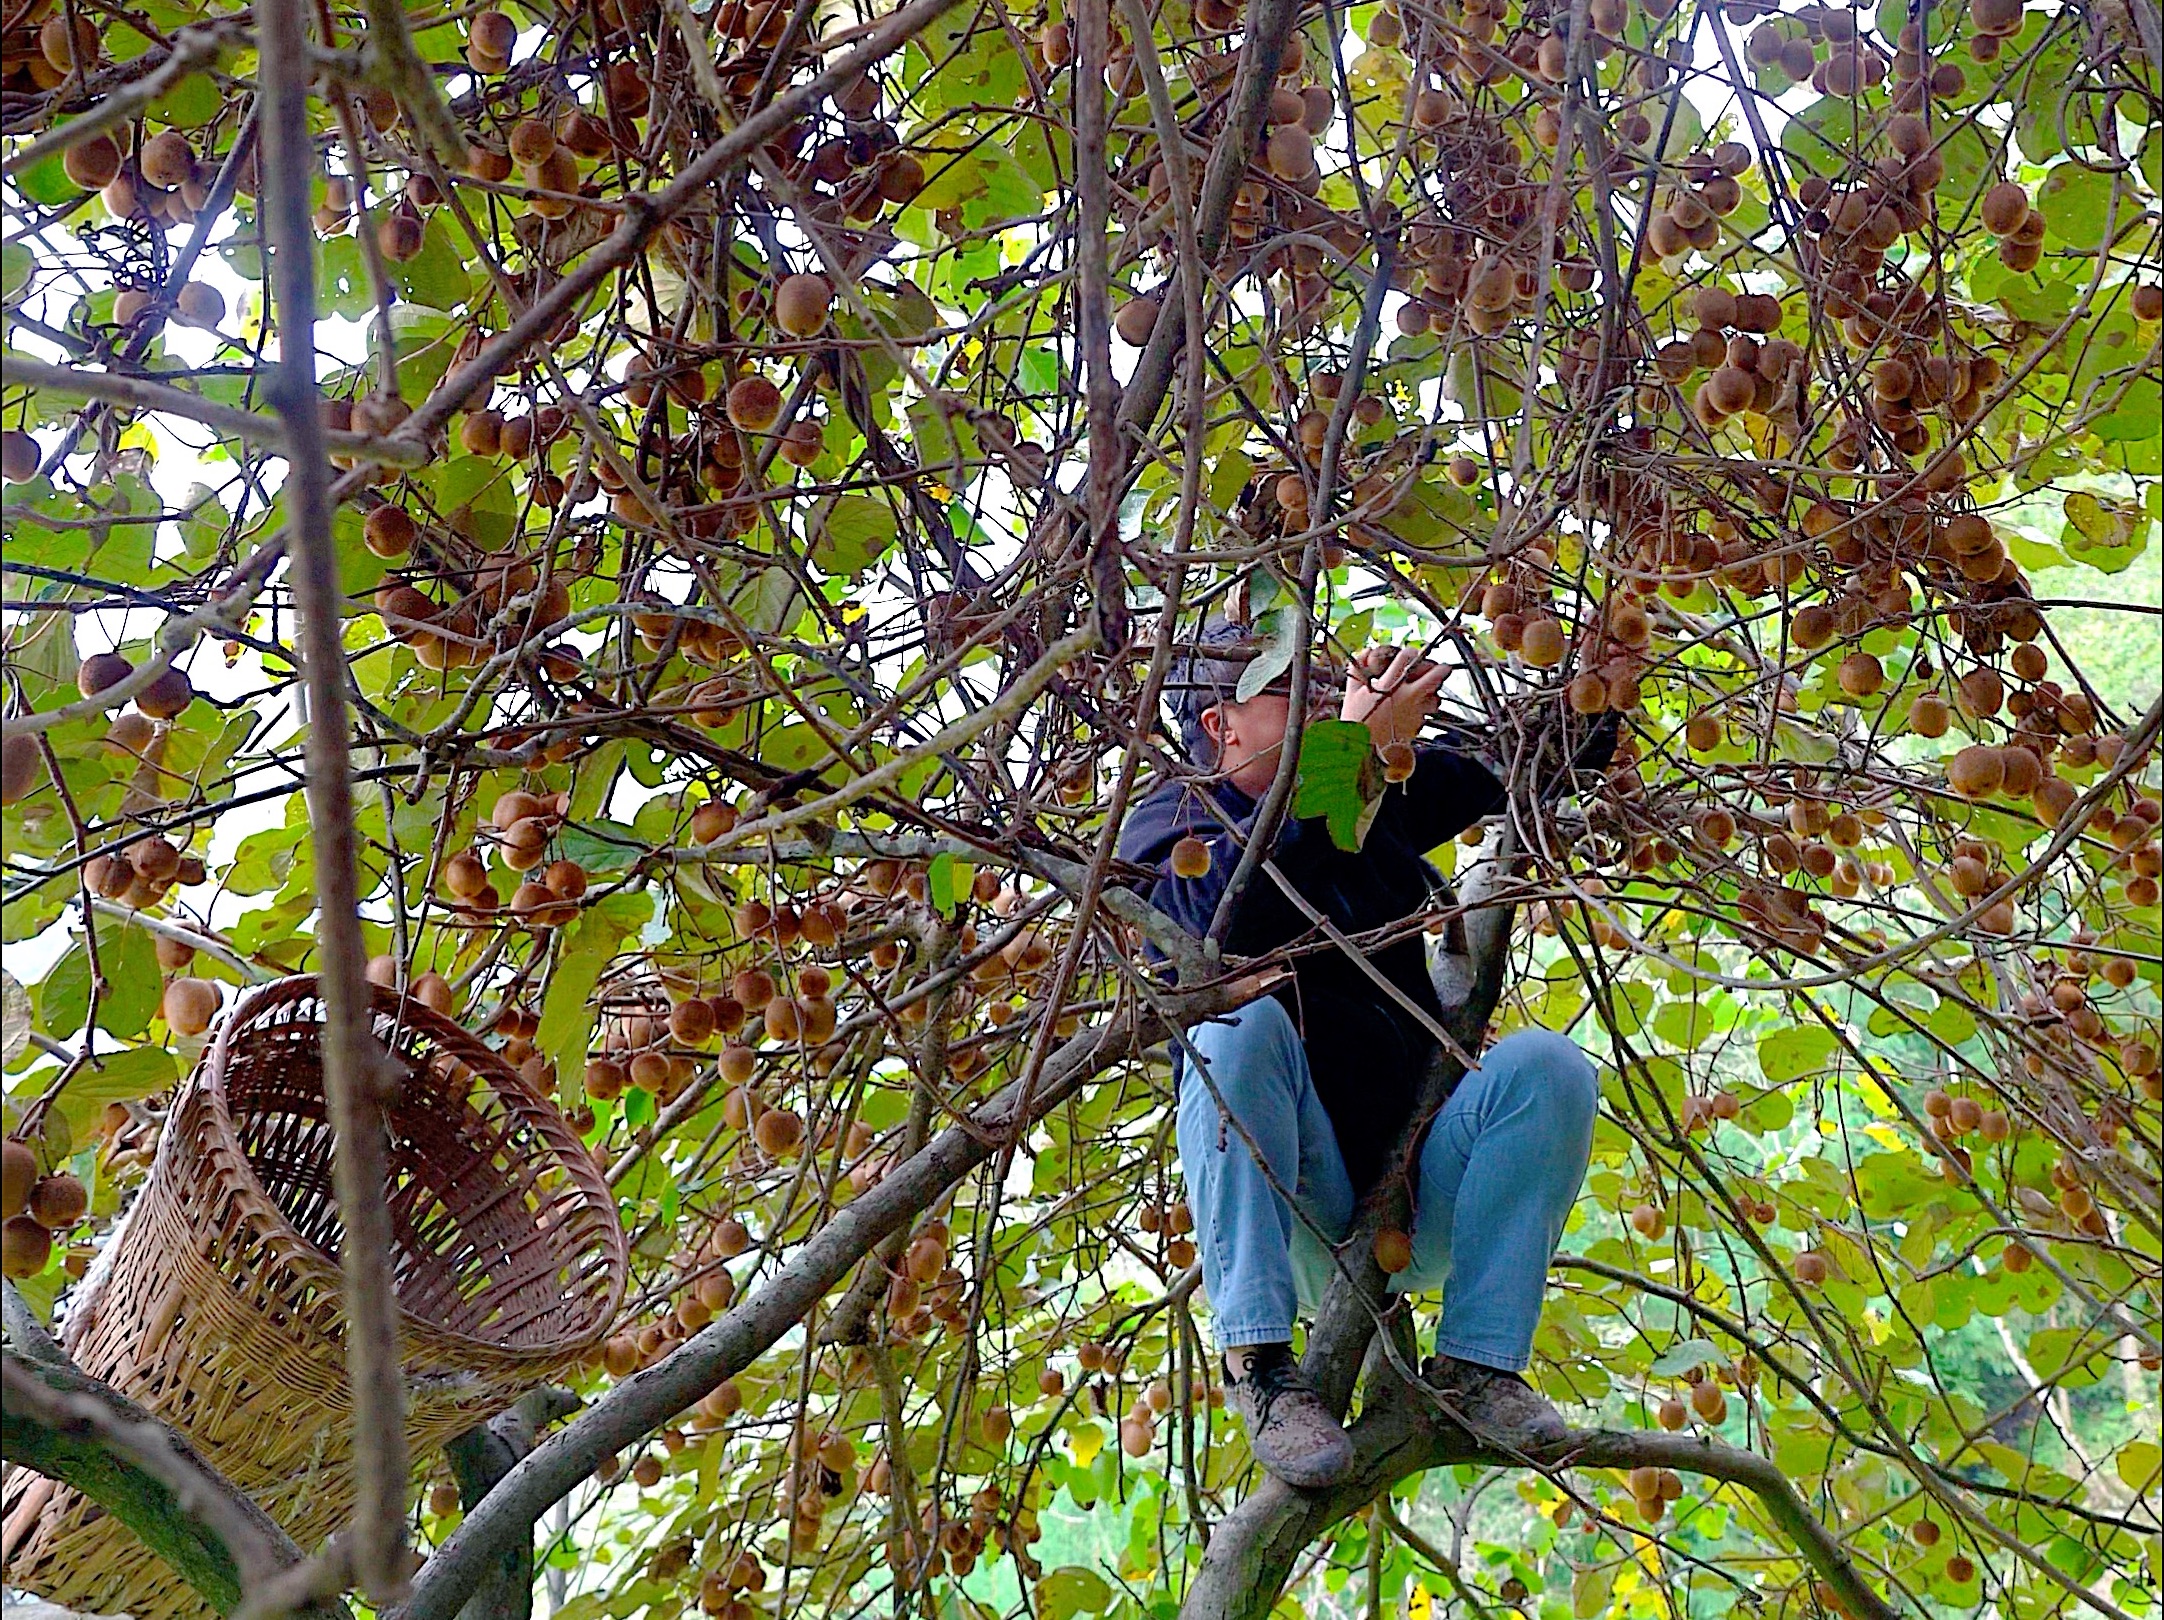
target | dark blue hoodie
x=1366, y=1053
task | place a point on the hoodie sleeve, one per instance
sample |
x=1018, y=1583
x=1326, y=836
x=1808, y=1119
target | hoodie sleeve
x=1450, y=788
x=1448, y=791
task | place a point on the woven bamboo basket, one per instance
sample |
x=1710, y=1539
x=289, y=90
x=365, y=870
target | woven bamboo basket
x=219, y=1304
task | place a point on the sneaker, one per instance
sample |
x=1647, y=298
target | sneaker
x=1290, y=1431
x=1496, y=1406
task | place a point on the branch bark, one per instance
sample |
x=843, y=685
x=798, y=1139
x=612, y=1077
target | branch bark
x=70, y=1427
x=143, y=394
x=354, y=1067
x=479, y=1459
x=736, y=1338
x=1401, y=1434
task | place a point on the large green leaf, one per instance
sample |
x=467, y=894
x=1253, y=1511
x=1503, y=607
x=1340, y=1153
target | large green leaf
x=1336, y=760
x=851, y=532
x=567, y=1009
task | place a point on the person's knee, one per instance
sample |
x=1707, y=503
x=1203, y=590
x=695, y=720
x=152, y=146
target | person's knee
x=1252, y=1055
x=1551, y=1070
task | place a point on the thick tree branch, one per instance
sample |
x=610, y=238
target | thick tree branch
x=140, y=393
x=72, y=1428
x=354, y=1067
x=479, y=1459
x=1402, y=1433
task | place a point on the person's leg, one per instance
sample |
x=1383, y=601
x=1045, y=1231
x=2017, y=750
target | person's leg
x=1251, y=1132
x=1257, y=1091
x=1498, y=1176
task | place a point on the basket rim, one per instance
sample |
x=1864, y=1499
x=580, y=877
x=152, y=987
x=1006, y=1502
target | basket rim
x=208, y=1082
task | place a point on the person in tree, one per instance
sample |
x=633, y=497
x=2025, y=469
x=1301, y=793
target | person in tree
x=1307, y=1089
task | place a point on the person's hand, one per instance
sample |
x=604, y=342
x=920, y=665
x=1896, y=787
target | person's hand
x=1391, y=691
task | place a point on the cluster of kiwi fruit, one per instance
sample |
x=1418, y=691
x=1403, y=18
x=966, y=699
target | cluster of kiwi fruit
x=544, y=892
x=34, y=1209
x=43, y=48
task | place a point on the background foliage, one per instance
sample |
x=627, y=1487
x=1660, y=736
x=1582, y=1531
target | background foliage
x=753, y=647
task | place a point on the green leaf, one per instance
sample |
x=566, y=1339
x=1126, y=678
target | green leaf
x=139, y=1072
x=45, y=181
x=1589, y=1590
x=2076, y=203
x=1790, y=1054
x=436, y=276
x=850, y=533
x=600, y=846
x=16, y=265
x=947, y=881
x=2139, y=1462
x=567, y=1009
x=1072, y=1590
x=1681, y=1358
x=1274, y=659
x=1822, y=136
x=2104, y=531
x=1334, y=762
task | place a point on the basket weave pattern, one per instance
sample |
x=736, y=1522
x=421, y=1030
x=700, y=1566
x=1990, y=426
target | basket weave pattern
x=220, y=1306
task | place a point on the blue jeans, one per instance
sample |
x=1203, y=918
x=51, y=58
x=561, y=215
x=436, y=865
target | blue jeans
x=1502, y=1163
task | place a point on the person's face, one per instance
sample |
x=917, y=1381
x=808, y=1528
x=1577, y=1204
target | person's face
x=1248, y=736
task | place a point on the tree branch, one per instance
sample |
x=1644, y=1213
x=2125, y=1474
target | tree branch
x=479, y=1459
x=140, y=393
x=354, y=1077
x=70, y=1427
x=1402, y=1433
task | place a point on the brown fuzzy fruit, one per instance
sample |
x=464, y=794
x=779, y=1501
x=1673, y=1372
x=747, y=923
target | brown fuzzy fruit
x=167, y=160
x=1929, y=715
x=481, y=433
x=531, y=142
x=101, y=671
x=1136, y=320
x=64, y=47
x=1861, y=674
x=712, y=820
x=1393, y=1250
x=2004, y=207
x=20, y=454
x=167, y=696
x=1977, y=771
x=200, y=303
x=400, y=234
x=22, y=769
x=58, y=1202
x=189, y=1005
x=493, y=34
x=801, y=304
x=1587, y=693
x=754, y=404
x=389, y=532
x=93, y=164
x=778, y=1131
x=18, y=1170
x=1812, y=1268
x=25, y=1246
x=1543, y=643
x=1190, y=858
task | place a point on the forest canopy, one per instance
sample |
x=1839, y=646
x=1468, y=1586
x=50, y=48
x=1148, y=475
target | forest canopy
x=660, y=530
